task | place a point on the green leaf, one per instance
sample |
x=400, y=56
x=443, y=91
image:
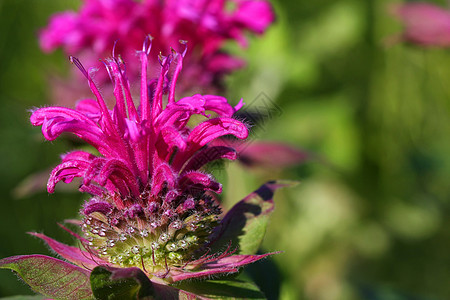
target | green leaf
x=245, y=224
x=222, y=289
x=122, y=284
x=50, y=277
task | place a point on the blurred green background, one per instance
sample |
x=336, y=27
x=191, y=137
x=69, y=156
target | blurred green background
x=370, y=219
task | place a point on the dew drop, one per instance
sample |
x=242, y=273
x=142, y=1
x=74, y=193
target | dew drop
x=192, y=239
x=102, y=233
x=183, y=244
x=122, y=237
x=135, y=249
x=131, y=230
x=176, y=225
x=111, y=243
x=171, y=247
x=174, y=256
x=144, y=233
x=164, y=237
x=192, y=227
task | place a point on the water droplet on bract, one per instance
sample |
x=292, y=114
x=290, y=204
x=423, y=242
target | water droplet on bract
x=164, y=237
x=130, y=230
x=102, y=233
x=192, y=239
x=135, y=249
x=122, y=237
x=176, y=225
x=192, y=227
x=95, y=229
x=183, y=244
x=144, y=233
x=111, y=243
x=120, y=258
x=88, y=221
x=171, y=247
x=174, y=256
x=154, y=245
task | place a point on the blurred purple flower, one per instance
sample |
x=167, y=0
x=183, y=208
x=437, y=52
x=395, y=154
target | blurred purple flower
x=206, y=24
x=424, y=24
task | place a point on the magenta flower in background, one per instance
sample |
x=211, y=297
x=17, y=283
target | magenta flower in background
x=424, y=24
x=152, y=217
x=206, y=24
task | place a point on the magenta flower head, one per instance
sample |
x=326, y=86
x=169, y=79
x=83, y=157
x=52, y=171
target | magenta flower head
x=424, y=24
x=206, y=24
x=152, y=217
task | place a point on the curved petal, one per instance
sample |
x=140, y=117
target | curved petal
x=215, y=128
x=219, y=105
x=39, y=116
x=74, y=255
x=191, y=180
x=209, y=154
x=163, y=174
x=207, y=132
x=66, y=172
x=229, y=264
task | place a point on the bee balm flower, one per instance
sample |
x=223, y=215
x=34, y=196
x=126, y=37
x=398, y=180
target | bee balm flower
x=92, y=32
x=152, y=210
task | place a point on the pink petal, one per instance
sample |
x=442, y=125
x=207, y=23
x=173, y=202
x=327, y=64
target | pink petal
x=76, y=256
x=192, y=179
x=230, y=264
x=209, y=154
